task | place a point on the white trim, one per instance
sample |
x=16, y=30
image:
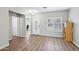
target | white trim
x=48, y=35
x=75, y=43
x=10, y=38
x=51, y=35
x=4, y=46
x=19, y=35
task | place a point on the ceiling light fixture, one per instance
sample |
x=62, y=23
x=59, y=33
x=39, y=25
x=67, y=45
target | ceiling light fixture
x=45, y=7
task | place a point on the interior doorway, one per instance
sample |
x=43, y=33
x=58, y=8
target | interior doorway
x=17, y=24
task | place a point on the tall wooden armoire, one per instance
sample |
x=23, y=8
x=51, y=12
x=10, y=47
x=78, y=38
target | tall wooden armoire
x=68, y=31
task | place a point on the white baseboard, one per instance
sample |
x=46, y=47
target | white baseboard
x=19, y=35
x=75, y=44
x=10, y=38
x=48, y=35
x=4, y=46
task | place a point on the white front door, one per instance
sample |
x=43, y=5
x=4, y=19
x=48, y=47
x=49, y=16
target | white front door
x=36, y=26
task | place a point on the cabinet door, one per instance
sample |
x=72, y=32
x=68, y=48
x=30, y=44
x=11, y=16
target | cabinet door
x=69, y=31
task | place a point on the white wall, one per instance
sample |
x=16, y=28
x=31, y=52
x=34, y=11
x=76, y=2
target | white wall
x=43, y=20
x=27, y=15
x=4, y=27
x=74, y=16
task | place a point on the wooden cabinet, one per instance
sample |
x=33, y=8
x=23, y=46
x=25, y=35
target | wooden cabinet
x=68, y=31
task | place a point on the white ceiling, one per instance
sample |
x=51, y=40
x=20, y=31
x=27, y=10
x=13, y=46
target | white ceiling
x=41, y=9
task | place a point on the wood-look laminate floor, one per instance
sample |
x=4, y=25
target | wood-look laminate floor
x=39, y=43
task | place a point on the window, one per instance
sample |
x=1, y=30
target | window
x=55, y=24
